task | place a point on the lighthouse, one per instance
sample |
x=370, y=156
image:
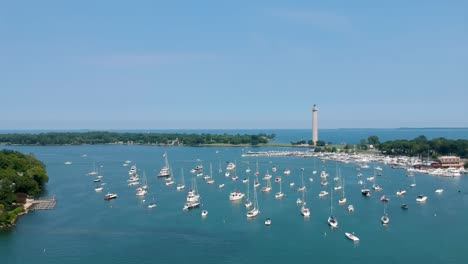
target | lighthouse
x=314, y=125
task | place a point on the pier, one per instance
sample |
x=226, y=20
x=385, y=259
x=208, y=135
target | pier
x=45, y=203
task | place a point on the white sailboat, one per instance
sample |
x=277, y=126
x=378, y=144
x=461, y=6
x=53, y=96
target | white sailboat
x=412, y=185
x=94, y=171
x=181, y=185
x=332, y=221
x=280, y=194
x=304, y=210
x=342, y=200
x=165, y=171
x=141, y=191
x=385, y=219
x=248, y=203
x=267, y=188
x=255, y=210
x=210, y=179
x=303, y=187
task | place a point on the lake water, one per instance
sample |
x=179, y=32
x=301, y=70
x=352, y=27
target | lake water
x=83, y=228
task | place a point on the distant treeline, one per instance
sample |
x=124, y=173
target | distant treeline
x=20, y=175
x=102, y=137
x=424, y=147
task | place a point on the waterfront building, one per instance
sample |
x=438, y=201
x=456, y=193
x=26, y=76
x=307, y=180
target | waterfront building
x=450, y=161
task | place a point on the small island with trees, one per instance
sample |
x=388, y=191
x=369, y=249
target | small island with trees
x=21, y=176
x=103, y=137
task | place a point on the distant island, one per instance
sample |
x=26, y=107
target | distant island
x=104, y=137
x=20, y=176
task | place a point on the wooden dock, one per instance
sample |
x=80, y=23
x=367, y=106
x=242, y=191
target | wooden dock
x=45, y=203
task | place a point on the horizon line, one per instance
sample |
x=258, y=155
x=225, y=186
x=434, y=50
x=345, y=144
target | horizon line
x=135, y=129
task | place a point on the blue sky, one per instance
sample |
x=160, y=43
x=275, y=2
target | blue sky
x=233, y=64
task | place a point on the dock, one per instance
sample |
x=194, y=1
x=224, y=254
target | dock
x=45, y=203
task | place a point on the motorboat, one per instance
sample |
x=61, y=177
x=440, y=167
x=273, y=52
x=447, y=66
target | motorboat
x=439, y=191
x=279, y=195
x=366, y=192
x=323, y=193
x=401, y=192
x=110, y=196
x=352, y=237
x=268, y=222
x=204, y=213
x=421, y=198
x=221, y=185
x=332, y=222
x=404, y=206
x=350, y=208
x=377, y=187
x=151, y=205
x=230, y=166
x=236, y=195
x=98, y=188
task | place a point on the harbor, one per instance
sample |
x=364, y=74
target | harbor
x=218, y=225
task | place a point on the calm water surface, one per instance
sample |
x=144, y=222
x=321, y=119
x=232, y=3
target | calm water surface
x=83, y=228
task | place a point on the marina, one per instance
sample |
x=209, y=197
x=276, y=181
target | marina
x=158, y=218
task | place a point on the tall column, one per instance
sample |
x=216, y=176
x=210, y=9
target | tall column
x=314, y=125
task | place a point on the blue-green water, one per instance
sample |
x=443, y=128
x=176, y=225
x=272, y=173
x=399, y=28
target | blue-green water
x=83, y=228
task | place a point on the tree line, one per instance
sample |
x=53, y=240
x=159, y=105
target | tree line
x=421, y=146
x=103, y=137
x=21, y=175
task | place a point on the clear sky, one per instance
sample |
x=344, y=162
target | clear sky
x=233, y=64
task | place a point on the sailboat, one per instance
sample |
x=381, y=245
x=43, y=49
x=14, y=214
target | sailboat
x=280, y=194
x=304, y=210
x=248, y=203
x=210, y=180
x=141, y=191
x=331, y=219
x=181, y=185
x=414, y=182
x=267, y=188
x=303, y=187
x=94, y=171
x=165, y=170
x=375, y=186
x=152, y=204
x=385, y=219
x=255, y=210
x=342, y=200
x=257, y=172
x=315, y=169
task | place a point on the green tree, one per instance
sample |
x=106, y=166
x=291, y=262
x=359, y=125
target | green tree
x=363, y=144
x=373, y=140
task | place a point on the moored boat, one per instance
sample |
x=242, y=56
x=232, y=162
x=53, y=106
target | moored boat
x=352, y=237
x=110, y=196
